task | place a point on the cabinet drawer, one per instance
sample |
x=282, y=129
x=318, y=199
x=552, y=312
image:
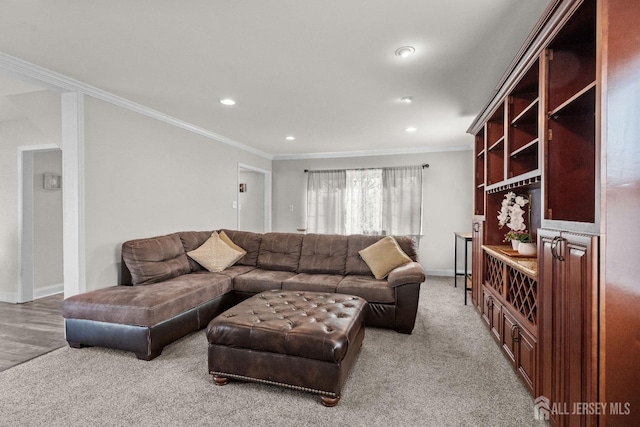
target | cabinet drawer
x=509, y=338
x=496, y=320
x=526, y=358
x=485, y=304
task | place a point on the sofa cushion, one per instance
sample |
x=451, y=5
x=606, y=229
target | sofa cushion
x=280, y=251
x=312, y=282
x=236, y=270
x=215, y=255
x=408, y=246
x=323, y=253
x=192, y=240
x=150, y=304
x=259, y=280
x=383, y=256
x=229, y=242
x=367, y=287
x=356, y=265
x=248, y=241
x=155, y=259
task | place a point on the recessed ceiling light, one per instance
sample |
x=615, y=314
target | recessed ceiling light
x=411, y=129
x=405, y=51
x=407, y=99
x=290, y=138
x=227, y=101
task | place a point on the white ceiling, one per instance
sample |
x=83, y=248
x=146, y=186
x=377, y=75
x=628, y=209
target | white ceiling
x=323, y=71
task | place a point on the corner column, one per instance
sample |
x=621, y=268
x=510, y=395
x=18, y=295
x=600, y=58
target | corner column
x=73, y=193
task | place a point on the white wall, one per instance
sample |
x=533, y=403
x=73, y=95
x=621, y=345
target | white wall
x=447, y=197
x=145, y=178
x=47, y=226
x=13, y=134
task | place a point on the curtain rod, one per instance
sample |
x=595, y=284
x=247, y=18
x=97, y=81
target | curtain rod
x=426, y=165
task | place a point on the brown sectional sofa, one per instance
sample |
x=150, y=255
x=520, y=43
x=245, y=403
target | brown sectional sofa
x=164, y=295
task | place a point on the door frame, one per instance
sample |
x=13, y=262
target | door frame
x=267, y=193
x=26, y=219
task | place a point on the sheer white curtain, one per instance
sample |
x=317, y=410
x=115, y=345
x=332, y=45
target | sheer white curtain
x=365, y=201
x=402, y=200
x=325, y=201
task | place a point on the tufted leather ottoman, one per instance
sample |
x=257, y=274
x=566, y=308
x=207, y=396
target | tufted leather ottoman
x=302, y=340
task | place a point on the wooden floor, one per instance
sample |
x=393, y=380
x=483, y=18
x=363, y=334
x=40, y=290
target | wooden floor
x=29, y=330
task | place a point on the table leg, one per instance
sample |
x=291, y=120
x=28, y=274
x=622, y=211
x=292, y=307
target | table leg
x=464, y=280
x=455, y=261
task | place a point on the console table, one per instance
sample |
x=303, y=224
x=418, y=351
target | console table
x=466, y=236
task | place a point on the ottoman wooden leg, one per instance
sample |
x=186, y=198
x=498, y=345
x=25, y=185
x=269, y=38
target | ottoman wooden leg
x=330, y=401
x=218, y=380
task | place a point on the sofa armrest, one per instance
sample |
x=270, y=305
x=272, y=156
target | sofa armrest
x=407, y=273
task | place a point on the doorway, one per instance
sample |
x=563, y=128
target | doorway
x=40, y=216
x=254, y=199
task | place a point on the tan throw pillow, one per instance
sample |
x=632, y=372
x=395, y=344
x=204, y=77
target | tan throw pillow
x=383, y=256
x=215, y=255
x=228, y=241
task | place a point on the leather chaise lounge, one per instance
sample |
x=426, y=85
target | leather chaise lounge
x=165, y=295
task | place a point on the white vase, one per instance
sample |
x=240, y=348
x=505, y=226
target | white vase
x=528, y=249
x=515, y=244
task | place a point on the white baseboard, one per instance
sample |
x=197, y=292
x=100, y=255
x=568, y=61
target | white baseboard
x=10, y=297
x=45, y=291
x=48, y=290
x=448, y=273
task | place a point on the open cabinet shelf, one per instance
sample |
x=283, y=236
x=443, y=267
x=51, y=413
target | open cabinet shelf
x=582, y=102
x=529, y=114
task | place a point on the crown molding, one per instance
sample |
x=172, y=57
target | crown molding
x=48, y=79
x=369, y=153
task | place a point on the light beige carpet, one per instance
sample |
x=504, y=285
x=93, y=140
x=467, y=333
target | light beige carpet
x=449, y=372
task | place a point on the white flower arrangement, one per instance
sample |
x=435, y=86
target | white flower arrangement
x=511, y=214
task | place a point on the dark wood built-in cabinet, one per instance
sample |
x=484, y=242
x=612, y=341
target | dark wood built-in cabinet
x=568, y=350
x=510, y=309
x=545, y=135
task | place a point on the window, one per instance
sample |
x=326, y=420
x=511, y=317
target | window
x=325, y=202
x=365, y=201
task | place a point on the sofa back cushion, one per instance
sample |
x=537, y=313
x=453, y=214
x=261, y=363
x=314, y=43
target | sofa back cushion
x=323, y=253
x=192, y=240
x=248, y=241
x=280, y=251
x=408, y=246
x=356, y=265
x=384, y=256
x=155, y=259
